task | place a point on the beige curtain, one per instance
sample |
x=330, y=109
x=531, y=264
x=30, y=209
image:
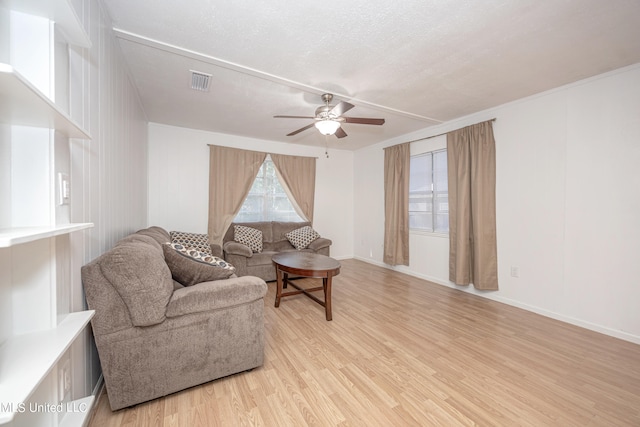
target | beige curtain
x=231, y=174
x=472, y=206
x=396, y=204
x=298, y=176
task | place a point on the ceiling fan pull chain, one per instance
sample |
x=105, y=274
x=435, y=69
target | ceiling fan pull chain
x=326, y=144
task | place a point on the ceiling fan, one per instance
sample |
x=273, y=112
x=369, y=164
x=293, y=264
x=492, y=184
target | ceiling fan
x=328, y=118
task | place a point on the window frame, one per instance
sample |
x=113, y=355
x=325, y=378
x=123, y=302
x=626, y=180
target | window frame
x=423, y=231
x=273, y=196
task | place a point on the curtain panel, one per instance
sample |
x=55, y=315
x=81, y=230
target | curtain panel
x=471, y=168
x=298, y=177
x=396, y=204
x=231, y=175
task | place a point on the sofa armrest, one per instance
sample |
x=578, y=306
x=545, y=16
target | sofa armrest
x=216, y=250
x=319, y=243
x=207, y=296
x=236, y=248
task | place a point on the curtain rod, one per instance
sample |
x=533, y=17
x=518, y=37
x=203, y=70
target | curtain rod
x=265, y=152
x=444, y=133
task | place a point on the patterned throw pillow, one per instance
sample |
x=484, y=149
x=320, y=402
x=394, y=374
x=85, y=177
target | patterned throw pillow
x=301, y=237
x=199, y=242
x=248, y=236
x=189, y=266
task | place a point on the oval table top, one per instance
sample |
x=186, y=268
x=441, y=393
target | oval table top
x=307, y=264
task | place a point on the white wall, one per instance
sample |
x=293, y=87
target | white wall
x=108, y=174
x=179, y=177
x=568, y=202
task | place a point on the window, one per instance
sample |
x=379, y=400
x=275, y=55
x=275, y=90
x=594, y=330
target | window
x=267, y=200
x=428, y=192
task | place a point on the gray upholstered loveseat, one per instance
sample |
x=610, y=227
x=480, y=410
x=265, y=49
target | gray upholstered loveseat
x=274, y=239
x=155, y=336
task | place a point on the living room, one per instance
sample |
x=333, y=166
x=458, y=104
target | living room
x=567, y=191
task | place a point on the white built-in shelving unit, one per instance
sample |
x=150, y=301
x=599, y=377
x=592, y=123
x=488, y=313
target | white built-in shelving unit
x=36, y=340
x=29, y=358
x=59, y=11
x=24, y=105
x=18, y=235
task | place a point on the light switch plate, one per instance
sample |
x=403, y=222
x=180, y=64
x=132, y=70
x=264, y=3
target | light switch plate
x=64, y=189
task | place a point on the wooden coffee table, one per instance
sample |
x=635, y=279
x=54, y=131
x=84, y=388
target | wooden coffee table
x=306, y=264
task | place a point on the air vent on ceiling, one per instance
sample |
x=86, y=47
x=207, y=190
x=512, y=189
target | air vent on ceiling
x=200, y=81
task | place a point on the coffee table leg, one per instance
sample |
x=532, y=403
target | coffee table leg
x=278, y=286
x=326, y=284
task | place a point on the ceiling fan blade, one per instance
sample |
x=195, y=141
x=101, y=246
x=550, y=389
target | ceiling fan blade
x=340, y=133
x=293, y=117
x=341, y=108
x=363, y=120
x=295, y=132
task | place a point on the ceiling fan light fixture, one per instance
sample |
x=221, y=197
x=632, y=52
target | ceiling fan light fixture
x=327, y=127
x=328, y=118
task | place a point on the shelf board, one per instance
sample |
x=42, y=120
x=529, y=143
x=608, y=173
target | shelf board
x=15, y=236
x=25, y=360
x=59, y=11
x=24, y=105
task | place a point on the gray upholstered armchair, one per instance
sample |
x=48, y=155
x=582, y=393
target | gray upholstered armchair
x=155, y=336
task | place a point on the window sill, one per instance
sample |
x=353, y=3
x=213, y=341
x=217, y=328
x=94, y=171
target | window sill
x=429, y=233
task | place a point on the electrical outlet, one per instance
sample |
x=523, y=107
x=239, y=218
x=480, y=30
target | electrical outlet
x=67, y=381
x=64, y=380
x=515, y=271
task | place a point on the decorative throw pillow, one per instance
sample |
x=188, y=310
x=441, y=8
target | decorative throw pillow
x=199, y=242
x=190, y=266
x=248, y=236
x=301, y=237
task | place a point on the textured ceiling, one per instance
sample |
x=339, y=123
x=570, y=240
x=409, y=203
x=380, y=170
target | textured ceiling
x=415, y=63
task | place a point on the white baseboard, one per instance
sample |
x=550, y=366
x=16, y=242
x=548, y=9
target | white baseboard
x=97, y=391
x=543, y=312
x=98, y=388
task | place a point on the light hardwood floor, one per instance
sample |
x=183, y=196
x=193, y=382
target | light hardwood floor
x=401, y=351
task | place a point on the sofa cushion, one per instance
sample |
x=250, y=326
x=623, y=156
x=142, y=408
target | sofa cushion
x=140, y=239
x=158, y=234
x=281, y=228
x=248, y=236
x=279, y=246
x=189, y=266
x=301, y=237
x=199, y=242
x=264, y=226
x=141, y=277
x=261, y=258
